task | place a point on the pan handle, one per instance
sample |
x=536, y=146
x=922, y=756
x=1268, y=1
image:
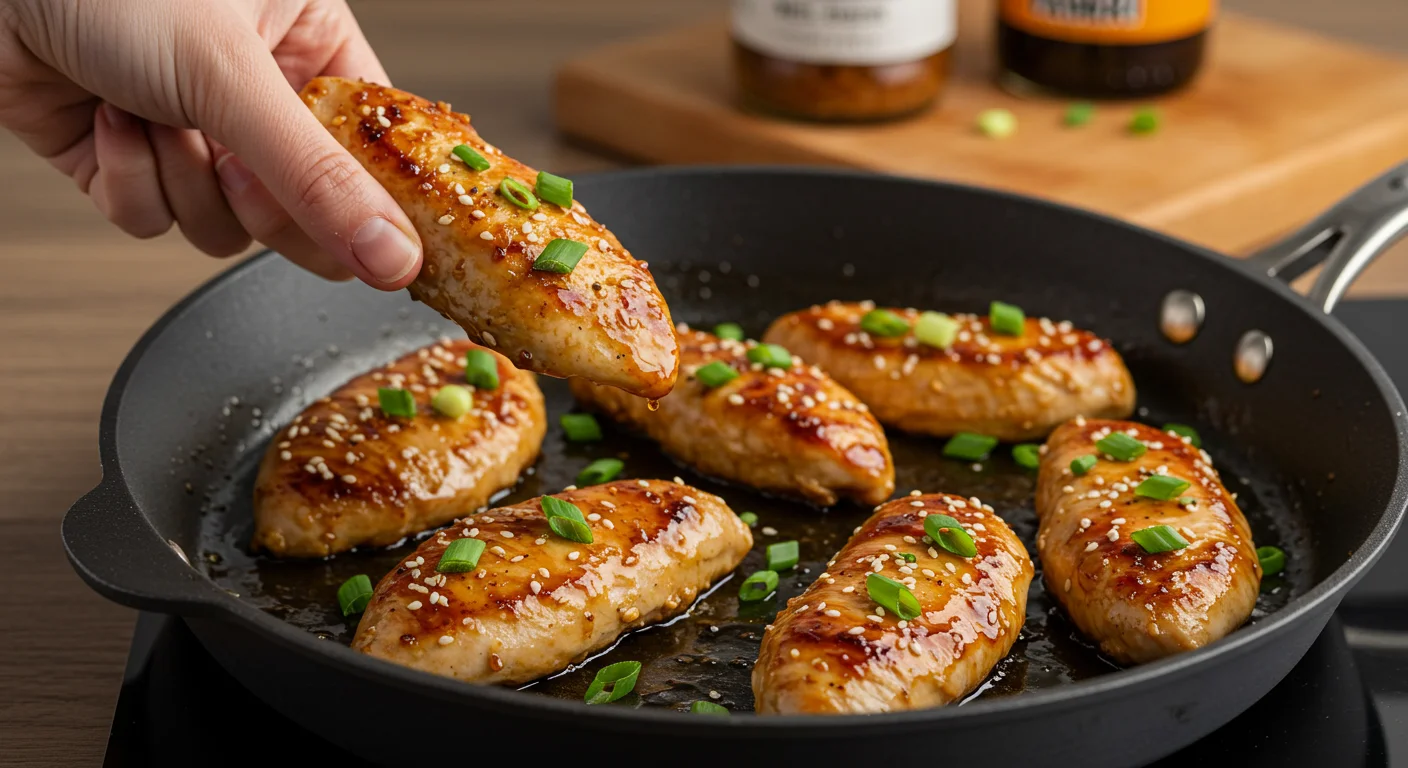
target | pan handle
x=1345, y=239
x=118, y=553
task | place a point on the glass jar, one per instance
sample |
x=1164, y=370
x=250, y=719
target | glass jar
x=1104, y=48
x=841, y=60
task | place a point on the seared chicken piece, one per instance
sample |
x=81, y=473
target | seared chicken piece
x=793, y=432
x=833, y=650
x=604, y=321
x=1137, y=606
x=537, y=602
x=1010, y=387
x=344, y=474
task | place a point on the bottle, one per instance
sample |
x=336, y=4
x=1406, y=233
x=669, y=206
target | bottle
x=841, y=60
x=1104, y=48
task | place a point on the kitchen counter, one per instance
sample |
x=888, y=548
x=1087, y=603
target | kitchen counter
x=76, y=294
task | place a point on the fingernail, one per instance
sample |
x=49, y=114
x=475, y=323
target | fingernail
x=117, y=118
x=383, y=250
x=234, y=175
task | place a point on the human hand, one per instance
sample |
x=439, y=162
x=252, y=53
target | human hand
x=186, y=111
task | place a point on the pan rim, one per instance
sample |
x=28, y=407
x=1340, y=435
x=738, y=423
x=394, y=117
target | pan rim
x=1116, y=684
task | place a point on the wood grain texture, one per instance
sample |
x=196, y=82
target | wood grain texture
x=75, y=294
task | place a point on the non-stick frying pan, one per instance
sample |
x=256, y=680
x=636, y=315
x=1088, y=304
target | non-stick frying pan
x=1304, y=424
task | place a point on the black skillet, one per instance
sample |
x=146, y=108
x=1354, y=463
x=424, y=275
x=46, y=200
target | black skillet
x=1316, y=447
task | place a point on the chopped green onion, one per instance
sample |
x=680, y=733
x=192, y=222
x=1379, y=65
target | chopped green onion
x=471, y=158
x=1079, y=113
x=884, y=323
x=1184, y=501
x=1145, y=120
x=619, y=677
x=462, y=555
x=892, y=596
x=908, y=557
x=396, y=402
x=949, y=534
x=354, y=594
x=481, y=370
x=580, y=427
x=1082, y=464
x=560, y=256
x=969, y=446
x=1272, y=560
x=707, y=708
x=1161, y=487
x=749, y=518
x=1027, y=455
x=1121, y=446
x=600, y=471
x=771, y=356
x=1160, y=538
x=730, y=331
x=936, y=329
x=997, y=123
x=518, y=194
x=782, y=555
x=1007, y=319
x=758, y=586
x=452, y=401
x=565, y=520
x=715, y=374
x=554, y=189
x=1183, y=430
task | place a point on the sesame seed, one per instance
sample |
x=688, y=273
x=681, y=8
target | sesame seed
x=1092, y=546
x=715, y=695
x=414, y=605
x=381, y=119
x=796, y=653
x=535, y=586
x=609, y=525
x=285, y=455
x=855, y=630
x=833, y=613
x=768, y=530
x=349, y=479
x=446, y=639
x=485, y=235
x=848, y=590
x=446, y=219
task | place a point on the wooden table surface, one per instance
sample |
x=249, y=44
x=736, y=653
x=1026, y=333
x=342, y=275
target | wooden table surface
x=75, y=294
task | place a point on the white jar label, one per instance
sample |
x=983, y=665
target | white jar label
x=862, y=32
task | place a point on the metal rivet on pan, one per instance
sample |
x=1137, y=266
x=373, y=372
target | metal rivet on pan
x=177, y=549
x=1181, y=316
x=1253, y=356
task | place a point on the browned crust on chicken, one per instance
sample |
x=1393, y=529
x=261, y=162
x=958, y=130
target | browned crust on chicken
x=793, y=432
x=343, y=474
x=538, y=602
x=1011, y=387
x=831, y=651
x=605, y=321
x=1137, y=606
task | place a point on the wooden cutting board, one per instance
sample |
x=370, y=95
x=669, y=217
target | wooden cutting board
x=1280, y=124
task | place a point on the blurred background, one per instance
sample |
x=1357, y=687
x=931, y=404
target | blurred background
x=1292, y=115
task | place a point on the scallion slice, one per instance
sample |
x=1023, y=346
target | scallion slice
x=949, y=534
x=892, y=596
x=566, y=520
x=707, y=708
x=452, y=401
x=782, y=555
x=997, y=123
x=600, y=471
x=1161, y=487
x=396, y=402
x=884, y=323
x=580, y=427
x=1079, y=113
x=1121, y=446
x=560, y=256
x=771, y=356
x=757, y=587
x=908, y=557
x=1007, y=319
x=1027, y=455
x=730, y=331
x=613, y=682
x=749, y=519
x=1082, y=464
x=554, y=189
x=1145, y=120
x=462, y=555
x=969, y=446
x=1272, y=560
x=518, y=194
x=936, y=330
x=1183, y=430
x=471, y=158
x=481, y=370
x=354, y=594
x=1160, y=538
x=715, y=374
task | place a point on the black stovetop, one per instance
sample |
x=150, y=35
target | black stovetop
x=1345, y=704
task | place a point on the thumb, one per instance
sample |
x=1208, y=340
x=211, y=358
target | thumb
x=255, y=113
